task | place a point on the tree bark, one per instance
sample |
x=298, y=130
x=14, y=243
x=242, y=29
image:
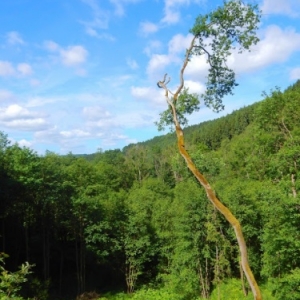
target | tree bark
x=245, y=290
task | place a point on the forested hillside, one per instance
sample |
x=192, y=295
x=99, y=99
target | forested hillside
x=135, y=221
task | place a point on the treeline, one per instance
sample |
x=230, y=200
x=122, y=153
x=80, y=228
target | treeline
x=137, y=221
x=209, y=133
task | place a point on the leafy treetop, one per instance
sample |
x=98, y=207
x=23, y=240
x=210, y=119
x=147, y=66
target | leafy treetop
x=229, y=27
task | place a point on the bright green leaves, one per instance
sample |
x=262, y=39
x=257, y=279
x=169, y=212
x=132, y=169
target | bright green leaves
x=221, y=82
x=288, y=287
x=281, y=244
x=218, y=33
x=4, y=142
x=11, y=282
x=185, y=104
x=233, y=23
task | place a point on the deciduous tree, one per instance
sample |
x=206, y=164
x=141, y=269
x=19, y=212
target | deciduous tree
x=215, y=35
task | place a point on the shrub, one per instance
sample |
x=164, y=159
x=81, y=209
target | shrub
x=11, y=282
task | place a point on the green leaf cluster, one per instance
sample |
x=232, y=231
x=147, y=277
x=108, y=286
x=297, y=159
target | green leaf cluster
x=218, y=34
x=11, y=282
x=185, y=104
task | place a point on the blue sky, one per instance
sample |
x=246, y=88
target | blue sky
x=79, y=75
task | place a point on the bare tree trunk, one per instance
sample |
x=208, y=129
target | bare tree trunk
x=203, y=283
x=131, y=275
x=293, y=186
x=242, y=280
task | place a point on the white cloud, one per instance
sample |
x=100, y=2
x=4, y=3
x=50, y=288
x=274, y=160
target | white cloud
x=141, y=92
x=14, y=38
x=47, y=136
x=34, y=82
x=93, y=33
x=76, y=139
x=275, y=47
x=41, y=101
x=176, y=49
x=14, y=111
x=75, y=133
x=111, y=139
x=153, y=46
x=51, y=46
x=70, y=56
x=151, y=95
x=26, y=125
x=119, y=5
x=24, y=69
x=281, y=7
x=100, y=19
x=94, y=113
x=73, y=55
x=106, y=124
x=6, y=95
x=6, y=68
x=101, y=122
x=17, y=117
x=295, y=74
x=158, y=63
x=172, y=10
x=148, y=28
x=171, y=16
x=179, y=43
x=195, y=86
x=197, y=68
x=135, y=119
x=132, y=63
x=114, y=82
x=119, y=8
x=24, y=143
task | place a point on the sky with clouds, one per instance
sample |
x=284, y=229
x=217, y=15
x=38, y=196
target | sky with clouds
x=79, y=75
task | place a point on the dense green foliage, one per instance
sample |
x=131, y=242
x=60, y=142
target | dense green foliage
x=137, y=221
x=11, y=282
x=230, y=26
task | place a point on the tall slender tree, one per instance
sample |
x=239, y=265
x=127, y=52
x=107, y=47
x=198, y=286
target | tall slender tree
x=215, y=35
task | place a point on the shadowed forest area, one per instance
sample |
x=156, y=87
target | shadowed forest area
x=134, y=223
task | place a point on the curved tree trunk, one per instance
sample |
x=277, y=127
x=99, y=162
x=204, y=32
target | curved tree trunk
x=224, y=211
x=202, y=180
